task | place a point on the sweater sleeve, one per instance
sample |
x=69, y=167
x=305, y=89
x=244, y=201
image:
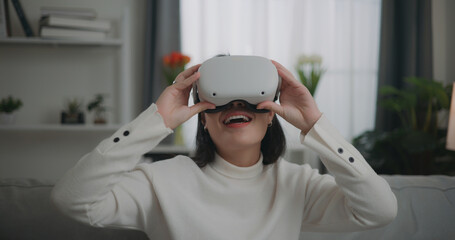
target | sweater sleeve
x=354, y=198
x=107, y=186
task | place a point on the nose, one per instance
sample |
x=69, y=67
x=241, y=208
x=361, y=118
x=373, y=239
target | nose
x=238, y=104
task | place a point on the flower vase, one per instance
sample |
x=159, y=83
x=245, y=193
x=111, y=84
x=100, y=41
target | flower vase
x=100, y=117
x=178, y=136
x=7, y=118
x=175, y=138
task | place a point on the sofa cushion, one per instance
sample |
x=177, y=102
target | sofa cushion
x=426, y=210
x=27, y=213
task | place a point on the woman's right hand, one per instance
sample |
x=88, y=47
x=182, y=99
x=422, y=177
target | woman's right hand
x=173, y=101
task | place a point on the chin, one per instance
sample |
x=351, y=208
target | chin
x=239, y=140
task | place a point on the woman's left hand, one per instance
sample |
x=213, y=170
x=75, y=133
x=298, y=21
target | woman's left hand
x=297, y=106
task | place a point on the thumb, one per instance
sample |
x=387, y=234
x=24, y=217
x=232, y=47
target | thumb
x=272, y=106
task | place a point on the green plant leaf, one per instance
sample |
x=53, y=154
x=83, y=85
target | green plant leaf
x=442, y=98
x=418, y=141
x=389, y=90
x=10, y=104
x=392, y=105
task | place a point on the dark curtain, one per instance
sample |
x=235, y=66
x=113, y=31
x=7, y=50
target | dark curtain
x=405, y=49
x=162, y=37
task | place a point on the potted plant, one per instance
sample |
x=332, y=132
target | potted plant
x=8, y=106
x=309, y=70
x=417, y=147
x=173, y=64
x=73, y=113
x=98, y=106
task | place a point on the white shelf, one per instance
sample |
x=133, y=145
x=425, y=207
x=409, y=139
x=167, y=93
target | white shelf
x=44, y=41
x=60, y=127
x=174, y=149
x=109, y=128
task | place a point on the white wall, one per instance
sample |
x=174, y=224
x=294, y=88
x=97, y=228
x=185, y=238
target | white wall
x=443, y=40
x=44, y=76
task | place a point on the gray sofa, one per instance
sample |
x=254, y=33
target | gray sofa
x=426, y=211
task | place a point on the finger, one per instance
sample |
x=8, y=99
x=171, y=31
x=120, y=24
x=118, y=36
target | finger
x=201, y=106
x=282, y=68
x=272, y=106
x=286, y=75
x=188, y=72
x=189, y=81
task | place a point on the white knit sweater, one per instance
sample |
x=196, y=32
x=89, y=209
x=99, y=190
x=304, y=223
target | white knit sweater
x=175, y=199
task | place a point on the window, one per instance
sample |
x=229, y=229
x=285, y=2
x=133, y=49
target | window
x=344, y=32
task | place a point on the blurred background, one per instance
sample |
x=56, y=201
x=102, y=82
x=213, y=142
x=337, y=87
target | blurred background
x=72, y=72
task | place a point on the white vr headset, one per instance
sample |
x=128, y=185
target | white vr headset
x=225, y=79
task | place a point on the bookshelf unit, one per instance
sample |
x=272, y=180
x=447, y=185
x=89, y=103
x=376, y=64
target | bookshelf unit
x=120, y=89
x=43, y=73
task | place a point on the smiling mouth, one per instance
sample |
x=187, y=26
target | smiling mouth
x=237, y=119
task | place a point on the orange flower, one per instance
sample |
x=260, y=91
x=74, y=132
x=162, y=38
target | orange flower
x=173, y=64
x=175, y=60
x=166, y=60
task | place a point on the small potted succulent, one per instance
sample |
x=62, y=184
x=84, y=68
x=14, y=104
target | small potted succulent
x=98, y=106
x=7, y=108
x=73, y=113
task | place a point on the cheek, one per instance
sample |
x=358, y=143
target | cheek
x=262, y=126
x=265, y=119
x=211, y=121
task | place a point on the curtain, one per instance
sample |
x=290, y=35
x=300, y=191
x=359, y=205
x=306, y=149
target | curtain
x=344, y=32
x=162, y=37
x=405, y=49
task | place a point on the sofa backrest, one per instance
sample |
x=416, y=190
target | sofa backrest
x=27, y=213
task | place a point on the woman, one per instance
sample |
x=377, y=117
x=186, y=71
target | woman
x=234, y=190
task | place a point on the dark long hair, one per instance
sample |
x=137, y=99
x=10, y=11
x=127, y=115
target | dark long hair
x=272, y=146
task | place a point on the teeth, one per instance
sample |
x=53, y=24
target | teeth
x=229, y=119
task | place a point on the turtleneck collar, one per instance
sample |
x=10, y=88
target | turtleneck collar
x=230, y=170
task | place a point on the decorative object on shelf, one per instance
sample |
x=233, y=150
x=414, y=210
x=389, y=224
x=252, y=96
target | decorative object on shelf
x=417, y=147
x=173, y=64
x=7, y=108
x=97, y=105
x=23, y=19
x=73, y=113
x=309, y=69
x=5, y=24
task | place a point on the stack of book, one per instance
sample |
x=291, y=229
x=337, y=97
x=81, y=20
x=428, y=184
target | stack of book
x=72, y=23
